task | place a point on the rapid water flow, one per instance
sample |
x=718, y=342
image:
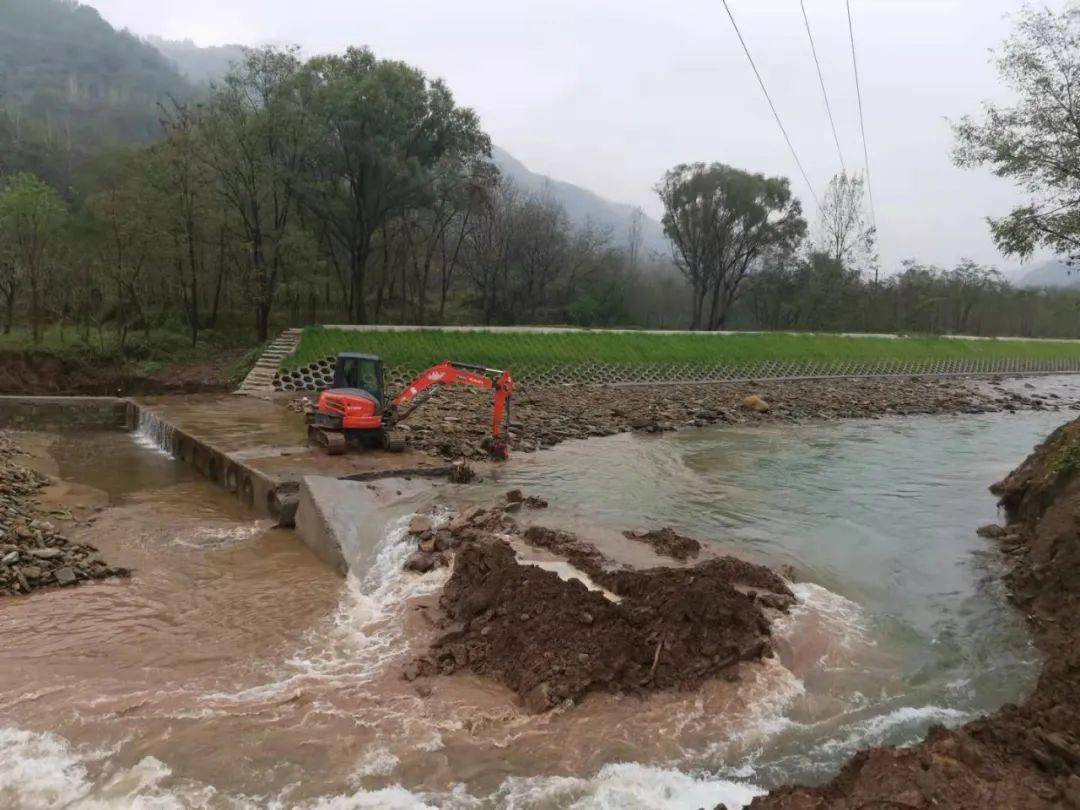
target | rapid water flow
x=235, y=670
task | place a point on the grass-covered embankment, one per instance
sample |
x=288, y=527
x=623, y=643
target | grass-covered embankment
x=524, y=351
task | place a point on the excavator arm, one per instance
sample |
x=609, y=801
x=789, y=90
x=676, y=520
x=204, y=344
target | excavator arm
x=448, y=373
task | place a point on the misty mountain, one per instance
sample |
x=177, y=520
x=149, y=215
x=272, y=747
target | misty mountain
x=583, y=205
x=198, y=65
x=65, y=70
x=1050, y=273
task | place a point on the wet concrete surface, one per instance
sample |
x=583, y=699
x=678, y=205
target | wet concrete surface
x=263, y=436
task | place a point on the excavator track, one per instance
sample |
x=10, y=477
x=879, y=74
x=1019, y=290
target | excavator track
x=393, y=442
x=332, y=440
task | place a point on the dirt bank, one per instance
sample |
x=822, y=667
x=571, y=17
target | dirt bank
x=29, y=373
x=553, y=640
x=33, y=553
x=1025, y=756
x=455, y=423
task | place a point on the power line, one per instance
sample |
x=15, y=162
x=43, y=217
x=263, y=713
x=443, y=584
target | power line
x=772, y=106
x=862, y=122
x=824, y=92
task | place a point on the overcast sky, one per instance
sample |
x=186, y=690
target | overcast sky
x=608, y=94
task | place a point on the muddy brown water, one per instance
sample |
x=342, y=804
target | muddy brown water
x=233, y=669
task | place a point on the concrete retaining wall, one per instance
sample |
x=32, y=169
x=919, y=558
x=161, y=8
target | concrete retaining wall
x=319, y=521
x=319, y=375
x=253, y=487
x=64, y=413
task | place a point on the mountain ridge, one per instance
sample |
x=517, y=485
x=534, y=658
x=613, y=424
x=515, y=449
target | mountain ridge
x=582, y=205
x=1052, y=273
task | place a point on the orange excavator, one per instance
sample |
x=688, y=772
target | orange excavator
x=355, y=412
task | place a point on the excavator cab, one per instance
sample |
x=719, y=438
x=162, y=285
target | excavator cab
x=360, y=372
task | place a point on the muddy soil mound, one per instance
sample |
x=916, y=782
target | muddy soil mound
x=456, y=423
x=33, y=554
x=1025, y=756
x=553, y=640
x=667, y=542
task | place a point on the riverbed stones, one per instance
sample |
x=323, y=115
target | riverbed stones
x=420, y=524
x=33, y=554
x=544, y=417
x=755, y=403
x=65, y=575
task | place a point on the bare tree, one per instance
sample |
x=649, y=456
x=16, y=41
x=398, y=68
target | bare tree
x=846, y=233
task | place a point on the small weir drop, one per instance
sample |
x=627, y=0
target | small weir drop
x=154, y=433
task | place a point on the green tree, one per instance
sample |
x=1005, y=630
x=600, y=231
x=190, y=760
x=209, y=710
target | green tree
x=721, y=221
x=254, y=140
x=31, y=217
x=1035, y=142
x=126, y=226
x=385, y=130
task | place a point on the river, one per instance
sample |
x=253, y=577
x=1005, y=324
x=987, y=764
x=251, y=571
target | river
x=234, y=670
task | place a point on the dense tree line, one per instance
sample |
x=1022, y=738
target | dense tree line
x=821, y=294
x=352, y=188
x=342, y=188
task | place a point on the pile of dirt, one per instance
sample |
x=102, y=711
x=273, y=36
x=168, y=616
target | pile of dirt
x=554, y=640
x=33, y=554
x=1025, y=756
x=455, y=423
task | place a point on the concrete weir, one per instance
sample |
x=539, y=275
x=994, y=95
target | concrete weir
x=257, y=448
x=254, y=447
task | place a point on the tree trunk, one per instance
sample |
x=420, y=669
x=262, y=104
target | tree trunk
x=35, y=312
x=357, y=266
x=9, y=311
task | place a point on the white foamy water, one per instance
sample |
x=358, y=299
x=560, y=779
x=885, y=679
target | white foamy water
x=44, y=771
x=208, y=537
x=625, y=785
x=363, y=637
x=154, y=434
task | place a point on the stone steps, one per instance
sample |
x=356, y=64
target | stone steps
x=260, y=380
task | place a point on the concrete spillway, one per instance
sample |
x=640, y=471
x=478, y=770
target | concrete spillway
x=256, y=448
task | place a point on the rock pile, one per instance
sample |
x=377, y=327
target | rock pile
x=456, y=423
x=33, y=554
x=553, y=640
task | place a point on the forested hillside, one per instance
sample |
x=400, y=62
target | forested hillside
x=70, y=85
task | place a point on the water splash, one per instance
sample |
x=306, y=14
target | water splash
x=155, y=434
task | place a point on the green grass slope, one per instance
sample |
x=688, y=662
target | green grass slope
x=525, y=351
